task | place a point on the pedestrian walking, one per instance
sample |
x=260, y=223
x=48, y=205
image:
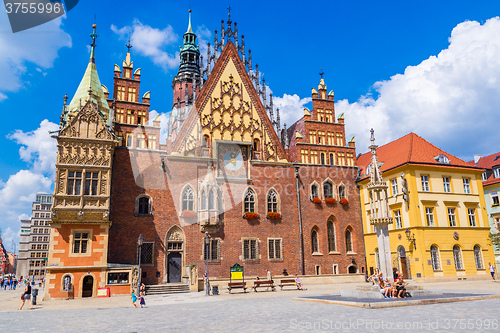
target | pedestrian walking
x=134, y=299
x=142, y=301
x=26, y=296
x=492, y=270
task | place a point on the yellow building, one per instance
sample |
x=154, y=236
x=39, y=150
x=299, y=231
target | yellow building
x=440, y=229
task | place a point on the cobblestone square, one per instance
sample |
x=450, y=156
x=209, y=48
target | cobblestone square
x=252, y=312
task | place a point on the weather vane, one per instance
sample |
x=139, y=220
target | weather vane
x=128, y=46
x=321, y=73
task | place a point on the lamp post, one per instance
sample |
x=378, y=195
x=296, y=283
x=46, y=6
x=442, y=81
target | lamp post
x=140, y=240
x=411, y=238
x=207, y=250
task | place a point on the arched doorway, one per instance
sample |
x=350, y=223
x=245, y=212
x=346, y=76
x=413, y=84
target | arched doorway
x=88, y=286
x=174, y=254
x=403, y=263
x=352, y=269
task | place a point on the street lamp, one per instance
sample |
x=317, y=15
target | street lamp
x=411, y=238
x=207, y=250
x=140, y=240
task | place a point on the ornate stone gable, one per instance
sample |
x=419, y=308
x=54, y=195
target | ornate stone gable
x=86, y=124
x=230, y=109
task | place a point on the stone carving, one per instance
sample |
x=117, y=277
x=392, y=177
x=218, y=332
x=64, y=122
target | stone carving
x=105, y=214
x=54, y=214
x=175, y=236
x=80, y=214
x=135, y=277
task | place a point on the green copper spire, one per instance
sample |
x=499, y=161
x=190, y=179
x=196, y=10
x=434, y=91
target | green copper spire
x=189, y=30
x=90, y=87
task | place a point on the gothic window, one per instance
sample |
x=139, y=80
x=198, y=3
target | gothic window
x=119, y=116
x=314, y=191
x=250, y=249
x=121, y=93
x=249, y=201
x=272, y=201
x=67, y=283
x=131, y=94
x=314, y=242
x=457, y=255
x=188, y=199
x=129, y=140
x=478, y=257
x=342, y=194
x=348, y=241
x=322, y=157
x=328, y=189
x=331, y=159
x=331, y=236
x=206, y=140
x=256, y=145
x=436, y=264
x=211, y=205
x=74, y=183
x=203, y=200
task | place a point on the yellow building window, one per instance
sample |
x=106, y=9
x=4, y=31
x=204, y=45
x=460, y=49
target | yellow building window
x=471, y=212
x=425, y=183
x=452, y=219
x=429, y=216
x=467, y=188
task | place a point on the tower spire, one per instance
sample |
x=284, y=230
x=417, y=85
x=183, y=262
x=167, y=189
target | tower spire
x=94, y=36
x=190, y=30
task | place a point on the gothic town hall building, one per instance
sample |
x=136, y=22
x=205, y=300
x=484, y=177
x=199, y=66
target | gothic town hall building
x=269, y=197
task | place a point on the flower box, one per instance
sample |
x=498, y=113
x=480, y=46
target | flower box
x=188, y=213
x=250, y=215
x=343, y=201
x=330, y=200
x=316, y=200
x=273, y=215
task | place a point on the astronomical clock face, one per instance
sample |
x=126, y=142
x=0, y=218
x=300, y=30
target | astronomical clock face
x=232, y=161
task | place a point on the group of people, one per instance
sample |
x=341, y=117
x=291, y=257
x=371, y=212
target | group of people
x=9, y=283
x=388, y=289
x=139, y=295
x=269, y=277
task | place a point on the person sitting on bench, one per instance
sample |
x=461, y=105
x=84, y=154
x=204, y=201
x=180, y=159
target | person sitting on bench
x=298, y=283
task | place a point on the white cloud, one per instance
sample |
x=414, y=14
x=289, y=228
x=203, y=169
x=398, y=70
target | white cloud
x=450, y=99
x=38, y=148
x=18, y=192
x=291, y=108
x=18, y=52
x=150, y=42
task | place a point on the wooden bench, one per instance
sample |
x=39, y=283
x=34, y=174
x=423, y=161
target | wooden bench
x=237, y=285
x=263, y=283
x=287, y=282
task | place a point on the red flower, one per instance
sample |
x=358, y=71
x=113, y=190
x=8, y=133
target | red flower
x=188, y=213
x=330, y=200
x=316, y=200
x=273, y=215
x=250, y=215
x=343, y=201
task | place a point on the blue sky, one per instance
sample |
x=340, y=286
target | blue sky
x=432, y=67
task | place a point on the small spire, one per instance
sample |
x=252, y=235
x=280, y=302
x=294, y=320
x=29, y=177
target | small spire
x=94, y=36
x=189, y=26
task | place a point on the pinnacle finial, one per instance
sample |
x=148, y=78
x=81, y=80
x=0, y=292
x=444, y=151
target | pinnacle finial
x=321, y=73
x=128, y=46
x=189, y=25
x=372, y=138
x=94, y=36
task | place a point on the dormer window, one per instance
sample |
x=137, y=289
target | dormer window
x=496, y=172
x=443, y=159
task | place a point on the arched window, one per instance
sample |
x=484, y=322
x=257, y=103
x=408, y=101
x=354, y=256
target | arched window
x=314, y=190
x=331, y=236
x=341, y=192
x=188, y=199
x=314, y=241
x=203, y=200
x=206, y=140
x=129, y=140
x=144, y=206
x=250, y=201
x=322, y=158
x=67, y=283
x=457, y=255
x=272, y=201
x=256, y=144
x=436, y=263
x=211, y=200
x=331, y=159
x=348, y=241
x=328, y=190
x=478, y=257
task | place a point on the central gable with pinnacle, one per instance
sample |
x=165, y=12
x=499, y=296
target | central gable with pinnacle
x=229, y=107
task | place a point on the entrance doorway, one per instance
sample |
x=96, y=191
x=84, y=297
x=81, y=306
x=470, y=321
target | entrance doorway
x=174, y=267
x=352, y=269
x=403, y=263
x=88, y=285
